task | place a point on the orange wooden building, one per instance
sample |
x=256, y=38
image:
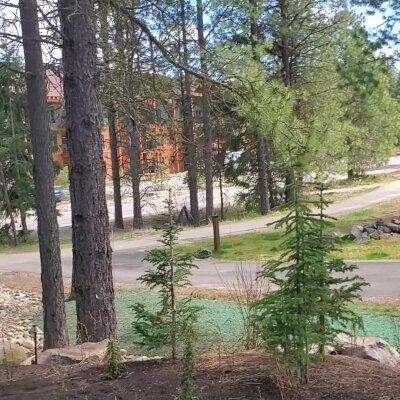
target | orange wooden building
x=160, y=142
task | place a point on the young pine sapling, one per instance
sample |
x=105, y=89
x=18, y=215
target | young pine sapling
x=313, y=290
x=171, y=271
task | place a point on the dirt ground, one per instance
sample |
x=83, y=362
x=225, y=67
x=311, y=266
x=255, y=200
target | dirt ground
x=25, y=281
x=242, y=377
x=30, y=282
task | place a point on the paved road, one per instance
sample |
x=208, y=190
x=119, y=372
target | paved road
x=384, y=276
x=128, y=254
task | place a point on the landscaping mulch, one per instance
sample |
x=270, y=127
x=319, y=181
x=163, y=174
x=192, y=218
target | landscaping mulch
x=243, y=376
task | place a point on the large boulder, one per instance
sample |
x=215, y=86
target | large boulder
x=370, y=348
x=393, y=227
x=11, y=353
x=89, y=352
x=357, y=231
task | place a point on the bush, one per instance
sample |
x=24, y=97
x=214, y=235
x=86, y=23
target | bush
x=116, y=369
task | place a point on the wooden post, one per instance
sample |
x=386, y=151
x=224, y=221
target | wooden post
x=34, y=331
x=217, y=238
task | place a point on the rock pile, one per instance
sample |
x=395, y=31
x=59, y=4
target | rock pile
x=378, y=230
x=17, y=309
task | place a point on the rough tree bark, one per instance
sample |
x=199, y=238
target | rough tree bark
x=286, y=76
x=261, y=140
x=104, y=39
x=134, y=161
x=262, y=175
x=188, y=134
x=43, y=174
x=118, y=217
x=207, y=133
x=92, y=267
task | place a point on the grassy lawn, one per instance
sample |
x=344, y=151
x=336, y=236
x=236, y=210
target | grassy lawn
x=32, y=245
x=265, y=245
x=362, y=180
x=220, y=326
x=238, y=213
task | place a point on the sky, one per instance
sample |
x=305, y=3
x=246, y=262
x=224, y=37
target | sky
x=374, y=22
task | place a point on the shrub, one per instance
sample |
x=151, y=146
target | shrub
x=116, y=369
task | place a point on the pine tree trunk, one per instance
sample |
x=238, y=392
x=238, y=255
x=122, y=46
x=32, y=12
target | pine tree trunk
x=43, y=174
x=25, y=231
x=261, y=140
x=262, y=175
x=188, y=134
x=8, y=205
x=290, y=191
x=118, y=217
x=134, y=159
x=350, y=174
x=92, y=268
x=207, y=133
x=270, y=178
x=221, y=195
x=286, y=77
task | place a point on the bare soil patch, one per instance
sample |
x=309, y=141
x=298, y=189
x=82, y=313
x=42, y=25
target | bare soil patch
x=26, y=281
x=244, y=376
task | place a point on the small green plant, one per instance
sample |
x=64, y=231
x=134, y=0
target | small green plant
x=313, y=291
x=116, y=369
x=185, y=391
x=377, y=255
x=172, y=270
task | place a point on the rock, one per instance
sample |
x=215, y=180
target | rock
x=357, y=231
x=314, y=349
x=370, y=348
x=393, y=227
x=370, y=230
x=88, y=352
x=28, y=344
x=28, y=361
x=339, y=235
x=375, y=235
x=11, y=353
x=141, y=358
x=202, y=253
x=123, y=353
x=396, y=221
